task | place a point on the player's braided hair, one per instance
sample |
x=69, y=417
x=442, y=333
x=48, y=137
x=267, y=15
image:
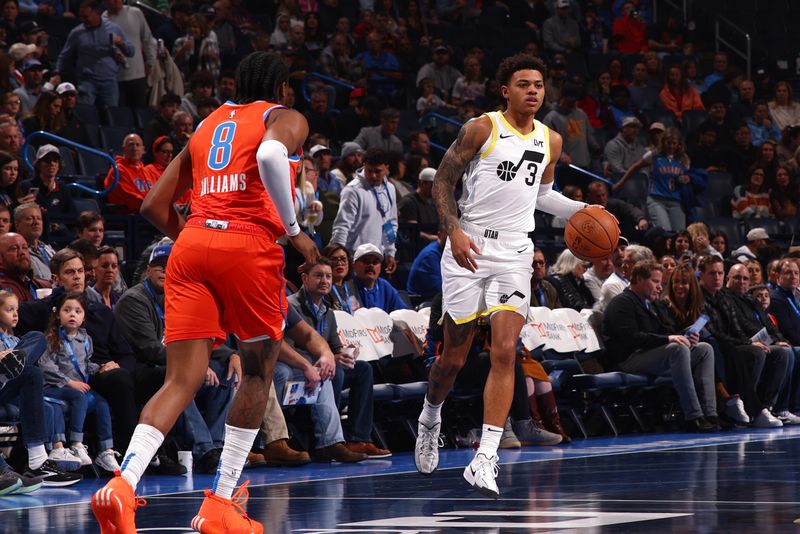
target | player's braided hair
x=258, y=77
x=521, y=61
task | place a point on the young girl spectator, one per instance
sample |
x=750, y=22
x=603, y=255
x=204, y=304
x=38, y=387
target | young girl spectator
x=9, y=317
x=785, y=196
x=751, y=201
x=67, y=366
x=677, y=95
x=756, y=273
x=428, y=99
x=784, y=110
x=668, y=172
x=720, y=242
x=10, y=190
x=669, y=264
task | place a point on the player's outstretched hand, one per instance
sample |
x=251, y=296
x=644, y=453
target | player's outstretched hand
x=462, y=248
x=305, y=246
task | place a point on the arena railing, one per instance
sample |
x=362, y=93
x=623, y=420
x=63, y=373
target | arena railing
x=433, y=117
x=314, y=75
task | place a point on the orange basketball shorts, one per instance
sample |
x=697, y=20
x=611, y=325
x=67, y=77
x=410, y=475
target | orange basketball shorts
x=224, y=281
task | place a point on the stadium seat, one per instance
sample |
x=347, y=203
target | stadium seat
x=87, y=113
x=68, y=166
x=774, y=227
x=664, y=116
x=93, y=165
x=111, y=137
x=121, y=116
x=730, y=227
x=86, y=204
x=144, y=116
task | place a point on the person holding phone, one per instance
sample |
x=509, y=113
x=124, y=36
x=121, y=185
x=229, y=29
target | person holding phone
x=45, y=189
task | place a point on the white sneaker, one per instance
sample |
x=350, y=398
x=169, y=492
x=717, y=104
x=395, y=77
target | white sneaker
x=64, y=459
x=80, y=450
x=107, y=460
x=426, y=451
x=788, y=418
x=481, y=474
x=764, y=419
x=734, y=409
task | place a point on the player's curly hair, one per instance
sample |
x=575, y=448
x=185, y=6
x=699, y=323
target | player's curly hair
x=521, y=61
x=259, y=76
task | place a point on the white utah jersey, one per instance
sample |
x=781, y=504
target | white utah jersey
x=501, y=182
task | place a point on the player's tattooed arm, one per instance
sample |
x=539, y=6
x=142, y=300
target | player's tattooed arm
x=470, y=138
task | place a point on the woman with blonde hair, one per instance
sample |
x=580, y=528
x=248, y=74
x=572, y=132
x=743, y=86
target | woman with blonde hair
x=668, y=172
x=784, y=110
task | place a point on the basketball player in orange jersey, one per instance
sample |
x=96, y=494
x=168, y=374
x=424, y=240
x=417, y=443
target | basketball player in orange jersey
x=507, y=160
x=224, y=275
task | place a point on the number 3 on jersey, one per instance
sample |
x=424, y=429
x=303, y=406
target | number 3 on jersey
x=221, y=146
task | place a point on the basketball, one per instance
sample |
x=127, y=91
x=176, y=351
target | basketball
x=592, y=233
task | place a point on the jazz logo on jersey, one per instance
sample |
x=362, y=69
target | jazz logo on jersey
x=506, y=170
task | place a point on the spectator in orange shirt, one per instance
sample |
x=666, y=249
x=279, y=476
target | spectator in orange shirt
x=133, y=181
x=630, y=31
x=163, y=151
x=677, y=95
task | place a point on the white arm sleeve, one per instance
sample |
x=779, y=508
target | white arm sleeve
x=273, y=167
x=555, y=203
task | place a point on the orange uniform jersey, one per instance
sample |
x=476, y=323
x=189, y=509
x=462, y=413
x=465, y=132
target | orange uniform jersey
x=227, y=185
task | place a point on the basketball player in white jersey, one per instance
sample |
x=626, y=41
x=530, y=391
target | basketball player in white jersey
x=507, y=160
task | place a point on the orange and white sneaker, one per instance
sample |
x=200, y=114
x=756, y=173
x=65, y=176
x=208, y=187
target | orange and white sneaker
x=224, y=516
x=114, y=505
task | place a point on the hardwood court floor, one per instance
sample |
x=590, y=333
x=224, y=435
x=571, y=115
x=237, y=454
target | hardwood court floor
x=740, y=481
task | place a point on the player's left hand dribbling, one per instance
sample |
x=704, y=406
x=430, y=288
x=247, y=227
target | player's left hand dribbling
x=305, y=246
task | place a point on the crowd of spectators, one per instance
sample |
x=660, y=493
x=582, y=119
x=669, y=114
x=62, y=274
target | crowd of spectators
x=635, y=99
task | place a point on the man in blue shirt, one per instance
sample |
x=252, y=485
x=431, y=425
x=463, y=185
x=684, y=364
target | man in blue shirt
x=425, y=277
x=373, y=291
x=94, y=51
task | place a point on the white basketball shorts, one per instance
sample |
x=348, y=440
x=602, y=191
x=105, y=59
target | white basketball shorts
x=502, y=281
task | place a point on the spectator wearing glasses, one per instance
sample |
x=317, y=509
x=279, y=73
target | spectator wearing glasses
x=163, y=151
x=543, y=293
x=343, y=290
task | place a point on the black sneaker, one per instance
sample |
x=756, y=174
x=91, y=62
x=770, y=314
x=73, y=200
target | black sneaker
x=28, y=484
x=208, y=463
x=163, y=464
x=52, y=476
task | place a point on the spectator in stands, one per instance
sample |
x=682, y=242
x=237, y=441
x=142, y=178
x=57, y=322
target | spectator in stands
x=574, y=127
x=28, y=222
x=742, y=110
x=10, y=181
x=624, y=149
x=140, y=316
x=637, y=342
x=95, y=50
x=161, y=124
x=762, y=127
x=342, y=295
x=630, y=31
x=163, y=151
x=706, y=152
x=443, y=74
x=5, y=219
x=560, y=33
x=783, y=109
x=554, y=84
x=472, y=85
x=768, y=160
x=182, y=130
x=669, y=166
x=425, y=275
x=643, y=96
x=784, y=197
x=773, y=273
x=719, y=240
x=419, y=144
x=751, y=200
x=29, y=92
x=176, y=24
x=132, y=76
x=17, y=275
x=357, y=115
x=382, y=136
x=201, y=88
x=789, y=147
x=226, y=88
x=198, y=49
x=311, y=304
x=368, y=210
x=49, y=192
x=598, y=273
x=543, y=293
x=372, y=291
x=594, y=34
x=90, y=226
x=632, y=220
x=757, y=239
x=677, y=95
x=684, y=248
x=336, y=60
x=617, y=282
x=381, y=68
x=318, y=117
x=11, y=106
x=349, y=162
x=418, y=208
x=317, y=367
x=428, y=100
x=743, y=154
x=619, y=108
x=784, y=301
x=72, y=127
x=46, y=114
x=753, y=370
x=106, y=275
x=133, y=183
x=720, y=67
x=566, y=275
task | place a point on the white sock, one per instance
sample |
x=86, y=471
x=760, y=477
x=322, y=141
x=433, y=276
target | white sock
x=145, y=442
x=490, y=440
x=37, y=455
x=238, y=442
x=431, y=413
